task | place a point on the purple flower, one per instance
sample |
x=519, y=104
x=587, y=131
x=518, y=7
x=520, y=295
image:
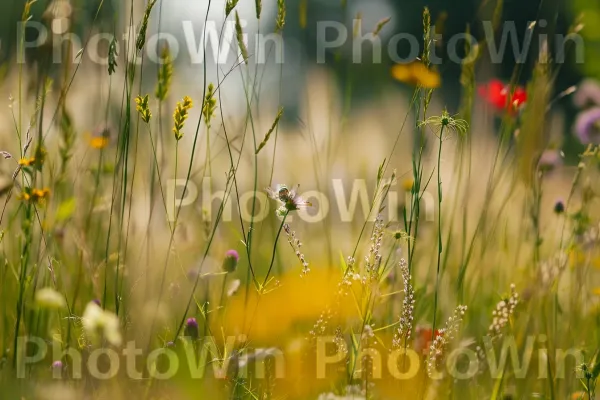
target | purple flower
x=191, y=328
x=97, y=302
x=550, y=159
x=288, y=199
x=231, y=261
x=192, y=274
x=587, y=94
x=587, y=126
x=559, y=207
x=57, y=364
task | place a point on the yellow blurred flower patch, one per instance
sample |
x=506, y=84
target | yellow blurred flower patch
x=416, y=74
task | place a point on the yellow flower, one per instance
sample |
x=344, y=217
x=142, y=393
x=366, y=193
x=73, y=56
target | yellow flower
x=408, y=184
x=40, y=193
x=98, y=142
x=300, y=310
x=417, y=74
x=35, y=195
x=27, y=162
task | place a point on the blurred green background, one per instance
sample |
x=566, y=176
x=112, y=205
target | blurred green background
x=365, y=80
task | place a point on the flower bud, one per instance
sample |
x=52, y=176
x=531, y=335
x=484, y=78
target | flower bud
x=191, y=328
x=559, y=207
x=231, y=261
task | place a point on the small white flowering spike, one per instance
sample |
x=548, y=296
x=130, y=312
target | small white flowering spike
x=368, y=332
x=551, y=269
x=504, y=310
x=404, y=331
x=296, y=244
x=50, y=298
x=444, y=337
x=95, y=320
x=374, y=257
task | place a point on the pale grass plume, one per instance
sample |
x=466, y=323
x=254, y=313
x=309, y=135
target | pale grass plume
x=296, y=244
x=271, y=130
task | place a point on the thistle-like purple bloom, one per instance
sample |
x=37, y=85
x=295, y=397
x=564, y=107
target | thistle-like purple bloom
x=57, y=369
x=191, y=328
x=230, y=261
x=559, y=207
x=587, y=126
x=288, y=198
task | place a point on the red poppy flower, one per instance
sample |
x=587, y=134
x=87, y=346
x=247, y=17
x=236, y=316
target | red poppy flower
x=496, y=93
x=424, y=337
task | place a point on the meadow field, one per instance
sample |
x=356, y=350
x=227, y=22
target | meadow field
x=299, y=200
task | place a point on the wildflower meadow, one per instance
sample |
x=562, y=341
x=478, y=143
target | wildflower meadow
x=299, y=199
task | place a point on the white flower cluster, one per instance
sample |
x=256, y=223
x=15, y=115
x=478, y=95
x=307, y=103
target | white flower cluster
x=97, y=321
x=502, y=313
x=342, y=347
x=550, y=269
x=443, y=338
x=350, y=276
x=50, y=298
x=367, y=333
x=591, y=236
x=321, y=324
